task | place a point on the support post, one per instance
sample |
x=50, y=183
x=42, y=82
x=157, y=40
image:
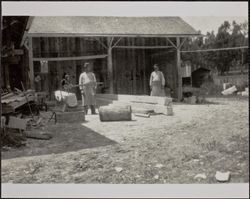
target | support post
x=110, y=68
x=178, y=63
x=31, y=66
x=242, y=61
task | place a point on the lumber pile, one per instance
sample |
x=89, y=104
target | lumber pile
x=135, y=98
x=19, y=115
x=139, y=104
x=13, y=101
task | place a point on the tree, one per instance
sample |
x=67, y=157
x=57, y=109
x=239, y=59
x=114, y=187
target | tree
x=228, y=35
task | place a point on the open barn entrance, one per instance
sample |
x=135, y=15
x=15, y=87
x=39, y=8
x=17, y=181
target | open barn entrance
x=50, y=78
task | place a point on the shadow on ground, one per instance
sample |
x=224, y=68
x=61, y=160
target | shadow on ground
x=66, y=138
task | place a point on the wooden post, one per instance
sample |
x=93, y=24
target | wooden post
x=242, y=62
x=178, y=63
x=144, y=69
x=134, y=67
x=110, y=68
x=31, y=66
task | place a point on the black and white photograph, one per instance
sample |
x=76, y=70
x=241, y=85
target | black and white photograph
x=125, y=98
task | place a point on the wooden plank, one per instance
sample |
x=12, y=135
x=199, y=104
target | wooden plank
x=36, y=135
x=71, y=58
x=31, y=66
x=7, y=96
x=143, y=47
x=215, y=49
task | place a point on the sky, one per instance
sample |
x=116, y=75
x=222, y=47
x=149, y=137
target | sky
x=209, y=23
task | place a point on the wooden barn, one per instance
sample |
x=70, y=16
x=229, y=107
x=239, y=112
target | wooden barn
x=121, y=49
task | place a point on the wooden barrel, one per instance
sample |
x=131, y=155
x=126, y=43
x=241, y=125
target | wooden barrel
x=115, y=113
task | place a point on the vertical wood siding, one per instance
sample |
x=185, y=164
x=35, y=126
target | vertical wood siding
x=132, y=67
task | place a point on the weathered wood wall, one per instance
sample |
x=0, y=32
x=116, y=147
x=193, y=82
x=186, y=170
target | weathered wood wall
x=132, y=67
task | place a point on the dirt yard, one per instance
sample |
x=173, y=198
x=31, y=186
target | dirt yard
x=160, y=149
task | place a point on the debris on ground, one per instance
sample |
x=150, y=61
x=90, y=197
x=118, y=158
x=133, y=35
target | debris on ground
x=229, y=91
x=38, y=135
x=118, y=169
x=144, y=110
x=156, y=177
x=200, y=176
x=159, y=165
x=222, y=176
x=245, y=93
x=142, y=115
x=20, y=112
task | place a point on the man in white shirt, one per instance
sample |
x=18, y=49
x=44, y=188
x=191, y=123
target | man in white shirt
x=87, y=85
x=157, y=82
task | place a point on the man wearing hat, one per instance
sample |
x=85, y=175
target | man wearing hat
x=87, y=85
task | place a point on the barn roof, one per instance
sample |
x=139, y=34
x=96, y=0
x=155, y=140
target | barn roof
x=110, y=26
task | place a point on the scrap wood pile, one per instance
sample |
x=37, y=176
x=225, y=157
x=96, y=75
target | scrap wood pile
x=120, y=107
x=229, y=89
x=20, y=114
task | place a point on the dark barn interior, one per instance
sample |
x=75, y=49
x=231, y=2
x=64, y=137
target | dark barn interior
x=132, y=67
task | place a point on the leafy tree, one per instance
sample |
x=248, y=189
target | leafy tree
x=228, y=35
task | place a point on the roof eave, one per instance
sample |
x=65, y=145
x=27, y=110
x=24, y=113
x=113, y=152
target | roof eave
x=109, y=35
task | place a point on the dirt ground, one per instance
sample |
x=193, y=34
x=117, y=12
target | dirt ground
x=160, y=149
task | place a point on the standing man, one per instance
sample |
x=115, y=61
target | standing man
x=157, y=82
x=87, y=85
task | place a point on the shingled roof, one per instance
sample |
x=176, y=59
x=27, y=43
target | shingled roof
x=110, y=26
